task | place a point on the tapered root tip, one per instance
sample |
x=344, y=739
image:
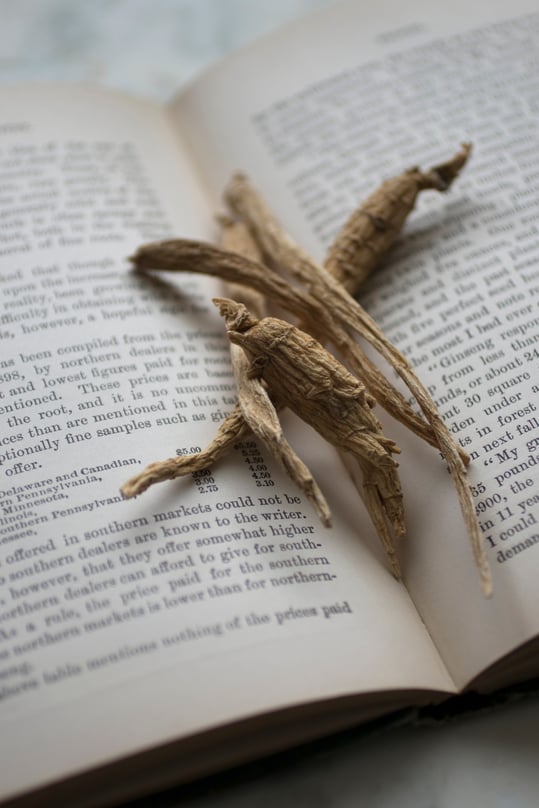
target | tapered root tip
x=128, y=491
x=138, y=484
x=237, y=181
x=486, y=582
x=227, y=307
x=395, y=567
x=237, y=316
x=442, y=176
x=153, y=473
x=139, y=259
x=322, y=509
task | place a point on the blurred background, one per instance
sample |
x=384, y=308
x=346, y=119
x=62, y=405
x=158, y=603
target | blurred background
x=148, y=47
x=480, y=757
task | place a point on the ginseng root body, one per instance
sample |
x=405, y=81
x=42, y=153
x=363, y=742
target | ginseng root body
x=321, y=391
x=374, y=225
x=283, y=366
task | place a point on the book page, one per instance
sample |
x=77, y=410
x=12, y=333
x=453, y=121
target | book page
x=393, y=86
x=209, y=599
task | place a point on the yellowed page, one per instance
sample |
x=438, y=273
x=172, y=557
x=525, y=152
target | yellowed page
x=208, y=600
x=318, y=118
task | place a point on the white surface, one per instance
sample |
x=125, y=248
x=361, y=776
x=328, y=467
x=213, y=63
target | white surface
x=153, y=47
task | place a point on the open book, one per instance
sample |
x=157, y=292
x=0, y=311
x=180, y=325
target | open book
x=213, y=619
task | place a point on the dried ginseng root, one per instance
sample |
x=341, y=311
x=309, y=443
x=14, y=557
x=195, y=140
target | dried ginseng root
x=329, y=311
x=315, y=386
x=374, y=225
x=253, y=398
x=334, y=312
x=324, y=307
x=345, y=321
x=254, y=411
x=230, y=431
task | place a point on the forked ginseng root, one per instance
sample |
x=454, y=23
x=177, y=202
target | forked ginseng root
x=281, y=365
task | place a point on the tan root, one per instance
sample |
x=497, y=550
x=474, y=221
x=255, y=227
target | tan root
x=314, y=385
x=256, y=405
x=278, y=364
x=372, y=228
